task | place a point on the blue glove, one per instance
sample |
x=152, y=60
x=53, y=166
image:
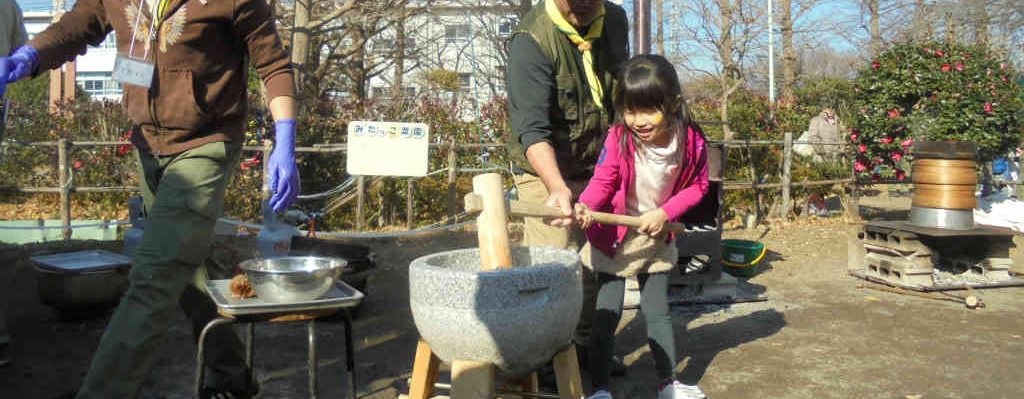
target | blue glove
x=18, y=65
x=284, y=175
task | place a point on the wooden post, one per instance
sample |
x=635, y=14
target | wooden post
x=492, y=224
x=567, y=373
x=472, y=380
x=453, y=202
x=787, y=159
x=409, y=203
x=424, y=372
x=360, y=202
x=65, y=187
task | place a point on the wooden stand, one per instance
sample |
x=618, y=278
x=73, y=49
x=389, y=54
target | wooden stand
x=472, y=379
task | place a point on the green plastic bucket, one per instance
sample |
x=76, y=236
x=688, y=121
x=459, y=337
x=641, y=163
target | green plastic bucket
x=740, y=258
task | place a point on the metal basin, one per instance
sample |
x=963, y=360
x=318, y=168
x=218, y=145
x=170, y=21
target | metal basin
x=292, y=278
x=514, y=318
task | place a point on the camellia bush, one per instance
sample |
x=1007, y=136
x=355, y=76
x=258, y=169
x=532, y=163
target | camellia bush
x=933, y=91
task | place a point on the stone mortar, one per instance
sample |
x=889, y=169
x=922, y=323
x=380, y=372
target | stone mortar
x=516, y=319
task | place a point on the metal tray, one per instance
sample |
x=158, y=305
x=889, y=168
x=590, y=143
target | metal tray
x=340, y=296
x=81, y=261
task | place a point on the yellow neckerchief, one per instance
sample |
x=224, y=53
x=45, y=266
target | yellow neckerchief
x=159, y=9
x=583, y=43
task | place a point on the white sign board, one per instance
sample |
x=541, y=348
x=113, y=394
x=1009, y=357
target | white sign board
x=387, y=148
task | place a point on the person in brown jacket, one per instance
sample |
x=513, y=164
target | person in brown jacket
x=183, y=67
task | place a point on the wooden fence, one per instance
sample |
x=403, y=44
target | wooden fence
x=452, y=169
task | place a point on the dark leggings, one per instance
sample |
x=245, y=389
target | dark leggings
x=653, y=305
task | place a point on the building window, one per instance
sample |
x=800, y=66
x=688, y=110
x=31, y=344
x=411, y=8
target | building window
x=505, y=27
x=383, y=46
x=99, y=84
x=456, y=33
x=465, y=79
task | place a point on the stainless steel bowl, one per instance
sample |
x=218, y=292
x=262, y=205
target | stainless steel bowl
x=292, y=278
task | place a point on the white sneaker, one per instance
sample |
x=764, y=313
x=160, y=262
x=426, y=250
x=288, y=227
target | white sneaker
x=678, y=390
x=602, y=394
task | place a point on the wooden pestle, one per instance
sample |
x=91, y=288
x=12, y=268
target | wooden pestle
x=474, y=204
x=492, y=224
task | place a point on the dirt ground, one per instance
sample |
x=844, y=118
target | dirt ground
x=818, y=335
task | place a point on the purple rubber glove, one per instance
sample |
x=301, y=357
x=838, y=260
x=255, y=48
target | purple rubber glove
x=18, y=65
x=284, y=175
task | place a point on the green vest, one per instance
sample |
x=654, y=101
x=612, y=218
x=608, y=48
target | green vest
x=578, y=125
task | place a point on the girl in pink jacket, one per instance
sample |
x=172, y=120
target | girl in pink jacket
x=654, y=165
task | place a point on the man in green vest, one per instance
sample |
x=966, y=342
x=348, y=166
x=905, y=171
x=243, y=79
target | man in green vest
x=563, y=59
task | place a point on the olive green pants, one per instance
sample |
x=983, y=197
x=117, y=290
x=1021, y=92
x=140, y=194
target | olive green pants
x=184, y=196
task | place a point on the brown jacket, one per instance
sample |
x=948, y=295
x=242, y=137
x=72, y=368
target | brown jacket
x=198, y=94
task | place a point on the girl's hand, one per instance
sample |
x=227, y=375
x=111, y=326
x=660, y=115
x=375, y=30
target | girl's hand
x=583, y=217
x=653, y=222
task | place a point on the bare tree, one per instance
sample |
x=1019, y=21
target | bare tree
x=728, y=29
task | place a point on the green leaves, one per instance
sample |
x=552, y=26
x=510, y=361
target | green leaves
x=936, y=91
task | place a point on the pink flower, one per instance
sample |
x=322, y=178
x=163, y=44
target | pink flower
x=894, y=113
x=862, y=148
x=900, y=174
x=907, y=143
x=854, y=136
x=959, y=66
x=896, y=156
x=875, y=64
x=859, y=166
x=1002, y=66
x=939, y=53
x=77, y=165
x=946, y=68
x=988, y=108
x=885, y=140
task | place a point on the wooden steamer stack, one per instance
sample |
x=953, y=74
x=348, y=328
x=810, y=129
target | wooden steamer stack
x=939, y=248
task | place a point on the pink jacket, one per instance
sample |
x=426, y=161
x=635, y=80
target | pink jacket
x=614, y=174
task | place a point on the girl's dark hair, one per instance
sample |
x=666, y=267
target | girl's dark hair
x=649, y=81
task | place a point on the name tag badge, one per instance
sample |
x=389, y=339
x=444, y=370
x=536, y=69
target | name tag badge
x=133, y=72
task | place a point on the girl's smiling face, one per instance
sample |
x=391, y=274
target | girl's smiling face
x=648, y=125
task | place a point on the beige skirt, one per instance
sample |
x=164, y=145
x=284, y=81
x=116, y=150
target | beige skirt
x=638, y=253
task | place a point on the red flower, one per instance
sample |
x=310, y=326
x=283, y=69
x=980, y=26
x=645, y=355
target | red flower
x=862, y=148
x=896, y=156
x=854, y=136
x=939, y=53
x=122, y=150
x=894, y=113
x=900, y=174
x=907, y=143
x=76, y=165
x=988, y=108
x=859, y=166
x=250, y=163
x=959, y=66
x=875, y=64
x=885, y=140
x=946, y=68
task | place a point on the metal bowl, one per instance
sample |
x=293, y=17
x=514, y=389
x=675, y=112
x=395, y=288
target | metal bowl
x=292, y=278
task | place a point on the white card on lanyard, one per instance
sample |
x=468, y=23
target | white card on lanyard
x=134, y=72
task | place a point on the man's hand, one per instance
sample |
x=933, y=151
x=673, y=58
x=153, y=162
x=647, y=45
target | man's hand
x=18, y=65
x=653, y=222
x=583, y=217
x=284, y=175
x=562, y=199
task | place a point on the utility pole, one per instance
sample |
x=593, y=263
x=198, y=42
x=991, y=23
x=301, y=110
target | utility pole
x=642, y=26
x=771, y=54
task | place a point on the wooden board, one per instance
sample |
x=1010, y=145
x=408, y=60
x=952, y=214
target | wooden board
x=903, y=225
